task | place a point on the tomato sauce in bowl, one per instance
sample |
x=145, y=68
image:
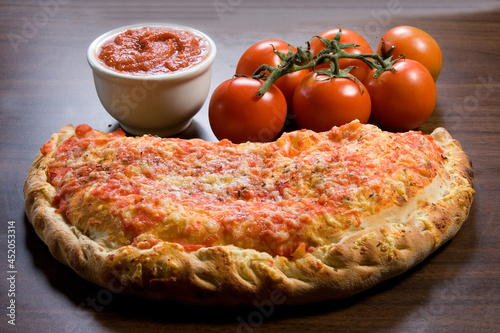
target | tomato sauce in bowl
x=152, y=77
x=153, y=51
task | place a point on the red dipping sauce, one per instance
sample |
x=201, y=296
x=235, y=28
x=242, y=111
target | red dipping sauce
x=153, y=50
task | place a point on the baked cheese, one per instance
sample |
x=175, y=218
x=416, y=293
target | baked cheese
x=286, y=198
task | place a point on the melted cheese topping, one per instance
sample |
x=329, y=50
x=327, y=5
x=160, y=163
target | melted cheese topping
x=300, y=192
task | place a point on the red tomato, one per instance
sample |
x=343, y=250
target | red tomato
x=262, y=53
x=237, y=114
x=414, y=44
x=321, y=103
x=403, y=99
x=348, y=36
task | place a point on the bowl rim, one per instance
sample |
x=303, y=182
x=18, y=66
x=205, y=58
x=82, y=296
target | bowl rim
x=100, y=68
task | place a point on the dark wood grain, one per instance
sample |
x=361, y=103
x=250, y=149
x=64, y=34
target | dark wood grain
x=45, y=83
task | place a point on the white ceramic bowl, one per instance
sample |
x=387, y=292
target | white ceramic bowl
x=160, y=104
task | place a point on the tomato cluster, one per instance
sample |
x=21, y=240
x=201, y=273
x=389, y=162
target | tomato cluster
x=329, y=85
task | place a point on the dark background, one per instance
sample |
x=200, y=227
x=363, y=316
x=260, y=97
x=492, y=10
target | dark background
x=45, y=83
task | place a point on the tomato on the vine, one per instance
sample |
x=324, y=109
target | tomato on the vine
x=415, y=44
x=321, y=102
x=262, y=53
x=347, y=36
x=404, y=98
x=237, y=114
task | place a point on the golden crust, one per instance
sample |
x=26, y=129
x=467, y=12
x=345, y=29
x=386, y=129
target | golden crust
x=230, y=275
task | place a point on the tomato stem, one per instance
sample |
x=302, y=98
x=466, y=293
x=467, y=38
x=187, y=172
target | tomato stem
x=334, y=50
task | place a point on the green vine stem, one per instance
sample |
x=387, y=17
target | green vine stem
x=303, y=59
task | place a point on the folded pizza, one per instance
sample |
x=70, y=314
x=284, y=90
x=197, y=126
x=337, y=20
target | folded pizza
x=316, y=216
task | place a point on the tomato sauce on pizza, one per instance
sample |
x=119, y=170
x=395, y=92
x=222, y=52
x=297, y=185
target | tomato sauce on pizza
x=284, y=198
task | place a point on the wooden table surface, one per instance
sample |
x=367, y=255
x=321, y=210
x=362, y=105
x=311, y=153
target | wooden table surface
x=45, y=82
